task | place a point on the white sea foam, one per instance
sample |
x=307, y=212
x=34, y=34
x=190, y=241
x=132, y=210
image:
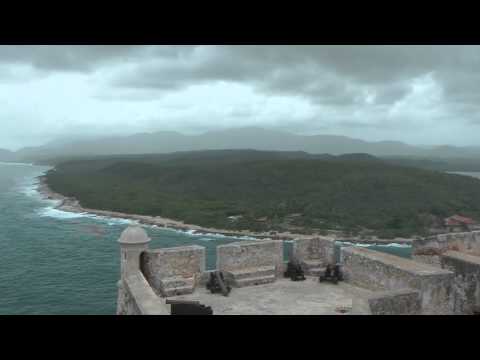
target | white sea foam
x=397, y=245
x=58, y=214
x=206, y=236
x=206, y=239
x=30, y=189
x=29, y=185
x=117, y=221
x=14, y=164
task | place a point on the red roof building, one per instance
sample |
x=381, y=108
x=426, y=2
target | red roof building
x=459, y=223
x=457, y=220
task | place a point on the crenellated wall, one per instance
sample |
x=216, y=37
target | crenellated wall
x=379, y=271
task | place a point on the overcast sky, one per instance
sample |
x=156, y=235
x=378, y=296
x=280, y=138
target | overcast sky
x=416, y=94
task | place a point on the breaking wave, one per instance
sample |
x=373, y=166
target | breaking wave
x=58, y=214
x=30, y=189
x=203, y=236
x=61, y=215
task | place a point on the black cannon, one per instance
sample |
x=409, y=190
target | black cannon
x=217, y=284
x=179, y=307
x=333, y=274
x=294, y=271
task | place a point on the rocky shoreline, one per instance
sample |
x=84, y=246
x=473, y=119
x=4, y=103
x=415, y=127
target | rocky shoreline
x=73, y=205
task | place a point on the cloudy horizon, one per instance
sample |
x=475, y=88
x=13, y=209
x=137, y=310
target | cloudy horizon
x=420, y=95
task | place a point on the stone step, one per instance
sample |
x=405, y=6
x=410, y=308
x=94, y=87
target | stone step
x=259, y=280
x=309, y=264
x=253, y=272
x=315, y=271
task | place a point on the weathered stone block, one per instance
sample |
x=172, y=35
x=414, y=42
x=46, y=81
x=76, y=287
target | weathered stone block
x=396, y=302
x=181, y=263
x=251, y=254
x=466, y=287
x=433, y=260
x=467, y=242
x=319, y=250
x=379, y=271
x=391, y=302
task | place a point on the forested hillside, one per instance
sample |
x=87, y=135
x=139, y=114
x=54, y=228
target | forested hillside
x=271, y=190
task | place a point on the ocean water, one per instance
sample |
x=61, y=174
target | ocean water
x=54, y=262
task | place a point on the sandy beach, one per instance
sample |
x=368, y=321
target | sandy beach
x=73, y=205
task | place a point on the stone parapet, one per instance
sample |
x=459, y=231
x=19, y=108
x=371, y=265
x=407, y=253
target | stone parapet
x=136, y=297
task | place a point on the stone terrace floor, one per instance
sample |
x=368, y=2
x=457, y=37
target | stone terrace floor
x=283, y=297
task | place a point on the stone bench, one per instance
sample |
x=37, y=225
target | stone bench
x=247, y=263
x=177, y=285
x=314, y=254
x=252, y=276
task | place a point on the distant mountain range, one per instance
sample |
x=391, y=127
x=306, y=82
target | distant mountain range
x=241, y=138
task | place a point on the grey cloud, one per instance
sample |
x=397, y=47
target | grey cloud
x=319, y=73
x=83, y=58
x=335, y=81
x=389, y=94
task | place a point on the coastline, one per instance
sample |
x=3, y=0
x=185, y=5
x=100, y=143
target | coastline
x=72, y=205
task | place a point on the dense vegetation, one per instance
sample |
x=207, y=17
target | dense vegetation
x=438, y=164
x=271, y=190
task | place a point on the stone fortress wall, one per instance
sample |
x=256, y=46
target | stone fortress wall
x=399, y=286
